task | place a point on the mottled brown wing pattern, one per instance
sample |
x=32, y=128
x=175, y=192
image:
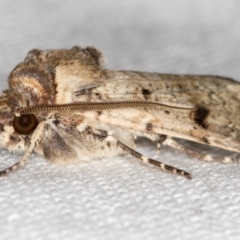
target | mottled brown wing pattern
x=219, y=97
x=202, y=109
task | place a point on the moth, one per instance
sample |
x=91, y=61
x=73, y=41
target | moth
x=63, y=104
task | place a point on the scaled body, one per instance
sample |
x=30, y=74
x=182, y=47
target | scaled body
x=202, y=109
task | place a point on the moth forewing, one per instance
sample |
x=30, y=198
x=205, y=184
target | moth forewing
x=214, y=121
x=64, y=105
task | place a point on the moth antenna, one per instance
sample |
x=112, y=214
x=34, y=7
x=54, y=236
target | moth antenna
x=159, y=164
x=98, y=106
x=34, y=139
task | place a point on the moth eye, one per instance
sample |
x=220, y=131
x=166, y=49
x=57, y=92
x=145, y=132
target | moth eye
x=25, y=124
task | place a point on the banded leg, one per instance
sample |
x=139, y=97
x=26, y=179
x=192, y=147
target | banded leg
x=145, y=159
x=17, y=165
x=34, y=140
x=194, y=153
x=159, y=141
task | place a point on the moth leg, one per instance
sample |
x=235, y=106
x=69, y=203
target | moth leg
x=34, y=140
x=200, y=156
x=17, y=165
x=159, y=141
x=159, y=164
x=191, y=152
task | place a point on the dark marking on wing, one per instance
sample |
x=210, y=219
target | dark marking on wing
x=149, y=127
x=205, y=140
x=84, y=91
x=81, y=92
x=146, y=93
x=98, y=95
x=200, y=115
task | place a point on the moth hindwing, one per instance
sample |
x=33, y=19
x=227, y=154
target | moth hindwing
x=64, y=105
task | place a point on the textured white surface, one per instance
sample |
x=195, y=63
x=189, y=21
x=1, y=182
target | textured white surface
x=121, y=198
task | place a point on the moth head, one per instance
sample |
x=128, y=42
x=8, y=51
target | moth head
x=38, y=81
x=14, y=131
x=29, y=85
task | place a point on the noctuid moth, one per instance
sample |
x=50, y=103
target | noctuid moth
x=64, y=105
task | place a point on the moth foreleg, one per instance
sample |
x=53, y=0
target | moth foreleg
x=36, y=136
x=17, y=165
x=145, y=159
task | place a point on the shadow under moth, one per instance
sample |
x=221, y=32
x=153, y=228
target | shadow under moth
x=64, y=105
